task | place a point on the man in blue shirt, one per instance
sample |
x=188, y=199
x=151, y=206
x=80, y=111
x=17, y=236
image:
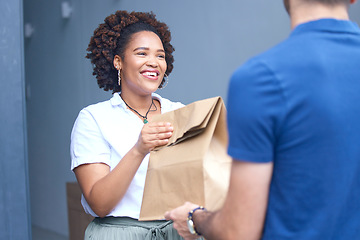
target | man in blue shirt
x=294, y=135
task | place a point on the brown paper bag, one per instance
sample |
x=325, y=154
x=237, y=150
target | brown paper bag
x=194, y=165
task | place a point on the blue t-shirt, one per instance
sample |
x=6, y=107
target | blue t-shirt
x=298, y=105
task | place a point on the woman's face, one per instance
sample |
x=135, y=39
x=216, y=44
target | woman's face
x=144, y=65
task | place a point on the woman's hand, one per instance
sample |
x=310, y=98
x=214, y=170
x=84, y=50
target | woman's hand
x=153, y=135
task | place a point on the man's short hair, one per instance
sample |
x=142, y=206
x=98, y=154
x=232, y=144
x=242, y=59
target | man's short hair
x=331, y=2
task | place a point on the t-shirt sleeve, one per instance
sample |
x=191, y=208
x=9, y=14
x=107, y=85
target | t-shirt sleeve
x=255, y=108
x=87, y=142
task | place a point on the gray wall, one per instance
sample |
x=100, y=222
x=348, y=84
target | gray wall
x=14, y=197
x=211, y=39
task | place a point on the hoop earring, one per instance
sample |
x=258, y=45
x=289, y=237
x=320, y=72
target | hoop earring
x=166, y=77
x=119, y=76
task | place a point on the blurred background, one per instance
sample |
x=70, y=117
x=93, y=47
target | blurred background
x=44, y=54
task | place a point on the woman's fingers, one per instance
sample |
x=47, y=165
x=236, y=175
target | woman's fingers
x=158, y=130
x=159, y=127
x=153, y=135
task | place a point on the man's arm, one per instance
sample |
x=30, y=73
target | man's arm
x=244, y=210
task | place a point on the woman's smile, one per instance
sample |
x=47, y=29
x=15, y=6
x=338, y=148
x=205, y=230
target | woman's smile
x=151, y=74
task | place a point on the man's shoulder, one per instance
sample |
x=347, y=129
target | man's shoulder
x=282, y=49
x=274, y=56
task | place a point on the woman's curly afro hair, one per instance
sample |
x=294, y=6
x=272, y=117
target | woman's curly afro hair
x=111, y=38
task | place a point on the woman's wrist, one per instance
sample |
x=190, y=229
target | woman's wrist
x=138, y=153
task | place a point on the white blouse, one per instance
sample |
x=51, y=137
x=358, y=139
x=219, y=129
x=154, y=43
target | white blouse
x=104, y=133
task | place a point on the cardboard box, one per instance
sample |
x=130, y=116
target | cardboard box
x=78, y=219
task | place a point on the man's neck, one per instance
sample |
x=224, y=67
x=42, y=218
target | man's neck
x=306, y=12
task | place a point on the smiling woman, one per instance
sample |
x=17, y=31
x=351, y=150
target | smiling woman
x=110, y=141
x=143, y=66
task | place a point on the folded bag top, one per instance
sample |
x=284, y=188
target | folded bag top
x=188, y=121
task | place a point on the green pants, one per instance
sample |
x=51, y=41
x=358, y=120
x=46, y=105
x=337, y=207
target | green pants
x=111, y=228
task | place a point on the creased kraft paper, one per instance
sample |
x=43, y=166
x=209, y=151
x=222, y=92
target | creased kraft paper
x=194, y=165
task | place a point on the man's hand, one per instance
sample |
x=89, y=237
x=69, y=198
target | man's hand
x=179, y=217
x=243, y=213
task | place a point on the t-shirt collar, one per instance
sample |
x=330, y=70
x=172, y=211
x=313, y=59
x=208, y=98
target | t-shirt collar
x=116, y=100
x=327, y=25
